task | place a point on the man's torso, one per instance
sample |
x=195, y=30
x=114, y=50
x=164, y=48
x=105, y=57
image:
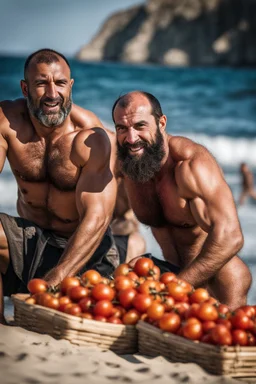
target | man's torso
x=45, y=173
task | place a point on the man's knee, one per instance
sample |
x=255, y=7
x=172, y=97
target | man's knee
x=136, y=246
x=4, y=251
x=232, y=283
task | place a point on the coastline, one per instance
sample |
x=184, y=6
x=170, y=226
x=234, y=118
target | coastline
x=32, y=358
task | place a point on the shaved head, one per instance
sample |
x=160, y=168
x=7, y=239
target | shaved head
x=139, y=96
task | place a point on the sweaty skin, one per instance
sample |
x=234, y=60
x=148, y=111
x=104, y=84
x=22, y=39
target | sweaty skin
x=187, y=204
x=64, y=173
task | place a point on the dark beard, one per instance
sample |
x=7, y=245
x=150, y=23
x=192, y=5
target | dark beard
x=142, y=168
x=51, y=119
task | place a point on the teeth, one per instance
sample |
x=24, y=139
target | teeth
x=51, y=105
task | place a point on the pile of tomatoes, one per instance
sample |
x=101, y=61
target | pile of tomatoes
x=140, y=293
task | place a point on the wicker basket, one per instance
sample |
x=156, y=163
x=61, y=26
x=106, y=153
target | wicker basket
x=119, y=338
x=237, y=362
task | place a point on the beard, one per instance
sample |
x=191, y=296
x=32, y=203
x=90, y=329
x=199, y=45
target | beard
x=50, y=119
x=142, y=168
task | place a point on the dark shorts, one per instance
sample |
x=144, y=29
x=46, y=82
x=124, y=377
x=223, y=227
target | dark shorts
x=122, y=245
x=33, y=252
x=164, y=266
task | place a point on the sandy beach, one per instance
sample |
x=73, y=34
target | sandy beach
x=30, y=358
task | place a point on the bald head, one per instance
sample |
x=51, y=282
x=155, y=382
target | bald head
x=139, y=97
x=46, y=56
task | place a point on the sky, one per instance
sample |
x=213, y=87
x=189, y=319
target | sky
x=63, y=25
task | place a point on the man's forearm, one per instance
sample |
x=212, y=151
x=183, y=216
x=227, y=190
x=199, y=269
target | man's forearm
x=213, y=256
x=81, y=246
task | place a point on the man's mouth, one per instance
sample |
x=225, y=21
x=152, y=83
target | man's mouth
x=51, y=106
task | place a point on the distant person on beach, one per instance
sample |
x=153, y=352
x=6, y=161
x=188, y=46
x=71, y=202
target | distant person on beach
x=63, y=162
x=247, y=184
x=125, y=226
x=176, y=187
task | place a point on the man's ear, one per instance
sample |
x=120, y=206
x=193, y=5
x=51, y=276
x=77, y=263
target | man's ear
x=24, y=88
x=72, y=82
x=162, y=123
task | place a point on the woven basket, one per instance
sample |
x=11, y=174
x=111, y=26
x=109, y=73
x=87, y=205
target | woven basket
x=119, y=338
x=238, y=362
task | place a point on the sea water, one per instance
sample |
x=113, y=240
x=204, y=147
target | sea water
x=213, y=106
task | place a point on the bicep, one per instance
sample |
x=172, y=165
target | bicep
x=210, y=198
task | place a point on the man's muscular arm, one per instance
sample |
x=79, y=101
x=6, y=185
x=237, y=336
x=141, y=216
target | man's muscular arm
x=95, y=197
x=201, y=182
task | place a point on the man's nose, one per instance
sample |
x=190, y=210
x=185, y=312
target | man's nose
x=51, y=91
x=132, y=136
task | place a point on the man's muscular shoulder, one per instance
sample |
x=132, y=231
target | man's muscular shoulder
x=84, y=118
x=11, y=112
x=91, y=144
x=195, y=166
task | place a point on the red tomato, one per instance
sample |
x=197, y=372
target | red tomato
x=223, y=309
x=221, y=335
x=114, y=320
x=156, y=272
x=103, y=292
x=142, y=302
x=149, y=287
x=167, y=277
x=240, y=320
x=251, y=339
x=192, y=311
x=225, y=322
x=239, y=337
x=207, y=312
x=170, y=322
x=155, y=311
x=78, y=293
x=187, y=287
x=91, y=277
x=122, y=269
x=30, y=300
x=73, y=309
x=126, y=297
x=37, y=286
x=144, y=267
x=86, y=304
x=131, y=317
x=133, y=276
x=208, y=325
x=123, y=282
x=192, y=329
x=249, y=310
x=118, y=311
x=67, y=283
x=168, y=302
x=103, y=308
x=181, y=308
x=199, y=296
x=50, y=301
x=177, y=291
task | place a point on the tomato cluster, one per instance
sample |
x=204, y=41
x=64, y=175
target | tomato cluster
x=140, y=293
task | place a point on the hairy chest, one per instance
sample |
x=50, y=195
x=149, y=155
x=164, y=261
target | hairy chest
x=46, y=163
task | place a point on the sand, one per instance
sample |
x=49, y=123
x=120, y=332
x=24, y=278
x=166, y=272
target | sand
x=31, y=358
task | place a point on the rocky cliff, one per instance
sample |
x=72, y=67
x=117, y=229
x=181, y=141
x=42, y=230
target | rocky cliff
x=179, y=33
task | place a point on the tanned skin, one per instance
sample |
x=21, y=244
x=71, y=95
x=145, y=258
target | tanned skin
x=64, y=173
x=187, y=204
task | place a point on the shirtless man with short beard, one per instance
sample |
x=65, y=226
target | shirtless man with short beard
x=177, y=188
x=61, y=158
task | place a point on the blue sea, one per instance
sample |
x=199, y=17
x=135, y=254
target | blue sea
x=215, y=107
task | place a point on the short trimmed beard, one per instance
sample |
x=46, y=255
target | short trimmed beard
x=142, y=168
x=51, y=119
